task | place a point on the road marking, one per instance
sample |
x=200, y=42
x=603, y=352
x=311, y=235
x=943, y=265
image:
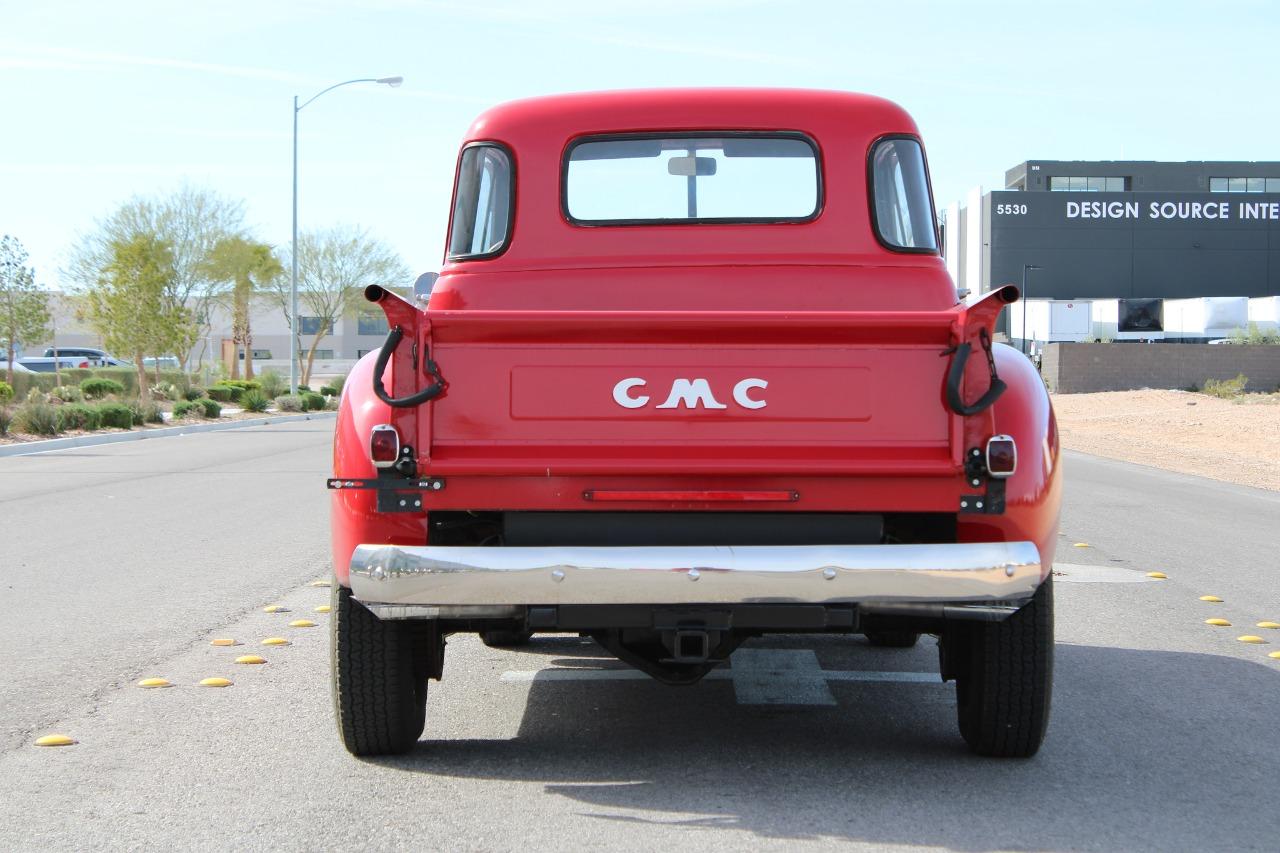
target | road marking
x=1079, y=573
x=759, y=676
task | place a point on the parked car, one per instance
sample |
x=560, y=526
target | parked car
x=167, y=362
x=37, y=364
x=16, y=366
x=95, y=357
x=715, y=385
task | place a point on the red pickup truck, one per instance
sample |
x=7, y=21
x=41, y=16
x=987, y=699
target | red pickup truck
x=693, y=372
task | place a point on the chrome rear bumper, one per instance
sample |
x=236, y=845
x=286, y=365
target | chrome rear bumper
x=400, y=579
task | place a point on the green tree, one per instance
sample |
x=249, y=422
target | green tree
x=334, y=267
x=24, y=310
x=192, y=220
x=128, y=306
x=248, y=267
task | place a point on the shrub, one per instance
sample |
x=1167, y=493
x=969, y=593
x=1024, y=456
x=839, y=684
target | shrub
x=97, y=388
x=254, y=400
x=68, y=393
x=242, y=384
x=193, y=392
x=35, y=395
x=288, y=403
x=6, y=418
x=328, y=391
x=183, y=408
x=302, y=388
x=1255, y=336
x=151, y=413
x=165, y=391
x=224, y=393
x=337, y=383
x=6, y=391
x=312, y=402
x=37, y=418
x=78, y=416
x=116, y=415
x=211, y=407
x=1225, y=389
x=273, y=384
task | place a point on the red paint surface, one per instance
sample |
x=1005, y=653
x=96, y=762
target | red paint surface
x=849, y=335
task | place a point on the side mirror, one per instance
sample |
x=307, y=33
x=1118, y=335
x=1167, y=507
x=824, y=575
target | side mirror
x=422, y=287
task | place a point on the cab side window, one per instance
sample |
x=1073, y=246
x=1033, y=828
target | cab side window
x=481, y=222
x=900, y=200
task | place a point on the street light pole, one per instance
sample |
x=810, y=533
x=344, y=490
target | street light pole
x=293, y=243
x=1025, y=267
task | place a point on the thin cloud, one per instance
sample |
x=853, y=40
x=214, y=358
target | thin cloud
x=84, y=60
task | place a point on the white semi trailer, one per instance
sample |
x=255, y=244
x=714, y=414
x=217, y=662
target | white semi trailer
x=1205, y=318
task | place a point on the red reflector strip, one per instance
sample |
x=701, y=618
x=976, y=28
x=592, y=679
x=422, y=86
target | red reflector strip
x=719, y=495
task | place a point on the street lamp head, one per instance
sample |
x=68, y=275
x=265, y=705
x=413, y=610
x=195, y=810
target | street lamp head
x=390, y=81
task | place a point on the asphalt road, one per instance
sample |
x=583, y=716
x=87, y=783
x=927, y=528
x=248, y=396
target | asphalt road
x=123, y=561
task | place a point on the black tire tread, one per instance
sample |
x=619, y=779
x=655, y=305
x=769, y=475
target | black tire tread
x=379, y=700
x=1004, y=695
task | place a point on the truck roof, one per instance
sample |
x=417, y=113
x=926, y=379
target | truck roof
x=539, y=130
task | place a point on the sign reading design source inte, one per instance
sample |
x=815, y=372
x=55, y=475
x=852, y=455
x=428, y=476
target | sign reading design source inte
x=1240, y=210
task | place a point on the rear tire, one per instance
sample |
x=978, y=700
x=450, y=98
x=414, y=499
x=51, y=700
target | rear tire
x=505, y=639
x=379, y=679
x=892, y=639
x=1005, y=680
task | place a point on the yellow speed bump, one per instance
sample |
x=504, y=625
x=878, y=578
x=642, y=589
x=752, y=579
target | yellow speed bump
x=1272, y=625
x=1250, y=638
x=56, y=740
x=215, y=682
x=1211, y=598
x=320, y=583
x=302, y=623
x=155, y=682
x=223, y=641
x=1219, y=623
x=251, y=659
x=324, y=608
x=275, y=641
x=1275, y=655
x=275, y=608
x=1081, y=545
x=1160, y=576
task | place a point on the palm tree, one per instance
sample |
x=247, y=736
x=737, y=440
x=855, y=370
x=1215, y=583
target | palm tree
x=247, y=266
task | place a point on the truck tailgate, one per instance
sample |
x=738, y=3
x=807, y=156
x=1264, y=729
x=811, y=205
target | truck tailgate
x=701, y=392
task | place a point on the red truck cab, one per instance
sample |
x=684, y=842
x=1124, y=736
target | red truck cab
x=693, y=372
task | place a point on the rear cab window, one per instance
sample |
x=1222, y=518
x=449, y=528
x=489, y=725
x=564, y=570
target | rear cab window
x=480, y=226
x=679, y=178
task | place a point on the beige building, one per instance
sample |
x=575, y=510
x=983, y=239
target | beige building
x=336, y=352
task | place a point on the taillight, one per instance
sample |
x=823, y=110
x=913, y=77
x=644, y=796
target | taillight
x=1002, y=456
x=384, y=445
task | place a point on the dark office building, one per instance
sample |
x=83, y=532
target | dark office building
x=1122, y=229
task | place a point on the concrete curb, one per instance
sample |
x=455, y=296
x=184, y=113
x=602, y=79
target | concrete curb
x=138, y=435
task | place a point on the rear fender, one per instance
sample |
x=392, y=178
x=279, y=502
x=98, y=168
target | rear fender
x=353, y=516
x=1033, y=494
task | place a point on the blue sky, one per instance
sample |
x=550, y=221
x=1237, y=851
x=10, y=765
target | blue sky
x=100, y=101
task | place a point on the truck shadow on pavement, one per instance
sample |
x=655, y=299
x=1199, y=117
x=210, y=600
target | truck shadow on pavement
x=1147, y=750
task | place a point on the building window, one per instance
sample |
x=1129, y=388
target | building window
x=308, y=325
x=258, y=354
x=371, y=323
x=361, y=353
x=1244, y=185
x=1089, y=184
x=324, y=354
